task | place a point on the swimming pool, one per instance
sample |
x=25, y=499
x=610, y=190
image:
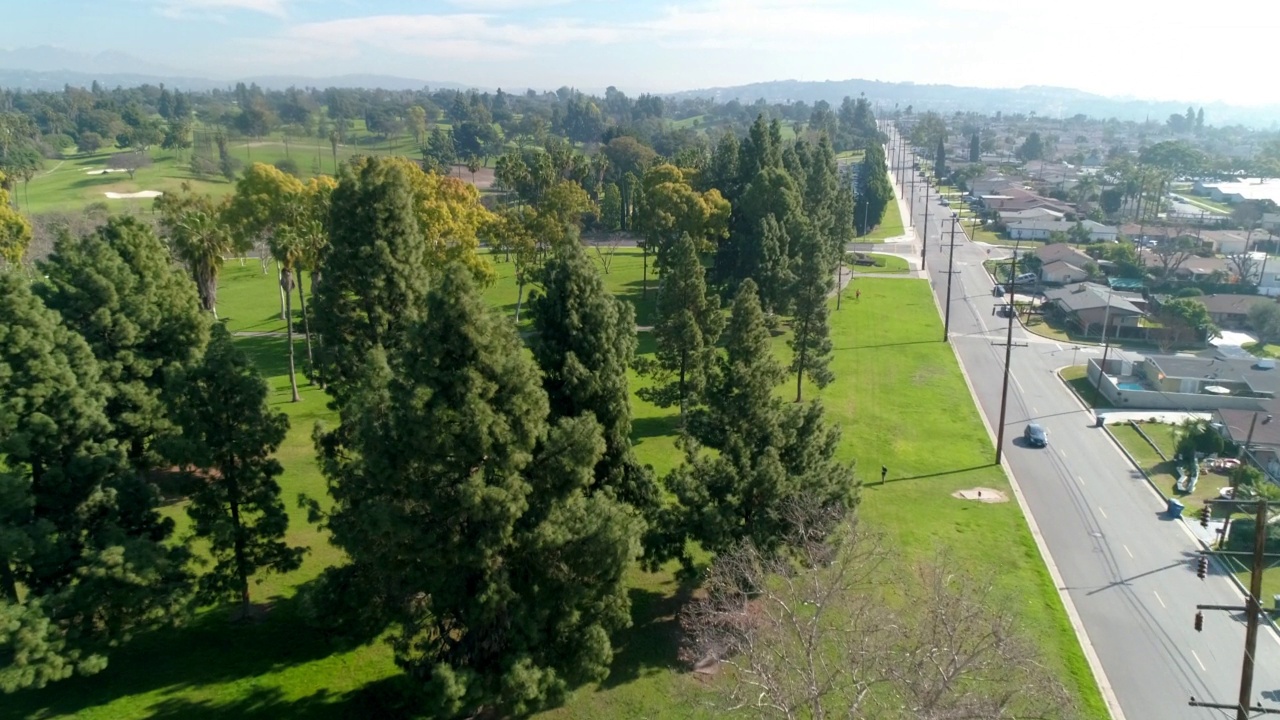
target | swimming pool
x=1130, y=386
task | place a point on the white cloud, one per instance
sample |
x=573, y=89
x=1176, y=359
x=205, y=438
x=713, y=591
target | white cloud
x=485, y=5
x=456, y=36
x=795, y=24
x=189, y=8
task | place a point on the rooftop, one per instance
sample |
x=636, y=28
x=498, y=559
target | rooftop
x=1088, y=296
x=1232, y=304
x=1260, y=378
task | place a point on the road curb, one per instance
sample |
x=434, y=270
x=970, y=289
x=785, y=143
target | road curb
x=1073, y=616
x=1244, y=592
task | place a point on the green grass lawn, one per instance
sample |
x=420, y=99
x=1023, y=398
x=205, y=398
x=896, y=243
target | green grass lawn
x=1077, y=379
x=893, y=382
x=890, y=225
x=1265, y=350
x=65, y=184
x=884, y=264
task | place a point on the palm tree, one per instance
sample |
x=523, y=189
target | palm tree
x=288, y=246
x=199, y=236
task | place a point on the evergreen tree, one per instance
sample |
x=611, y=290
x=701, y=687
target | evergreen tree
x=765, y=258
x=80, y=572
x=229, y=433
x=584, y=338
x=874, y=190
x=940, y=159
x=118, y=289
x=689, y=324
x=975, y=148
x=611, y=208
x=723, y=173
x=811, y=340
x=821, y=186
x=375, y=274
x=467, y=517
x=766, y=452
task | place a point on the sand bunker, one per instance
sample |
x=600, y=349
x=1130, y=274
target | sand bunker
x=129, y=196
x=981, y=494
x=104, y=172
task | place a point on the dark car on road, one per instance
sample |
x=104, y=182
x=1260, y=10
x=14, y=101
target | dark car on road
x=998, y=291
x=1035, y=435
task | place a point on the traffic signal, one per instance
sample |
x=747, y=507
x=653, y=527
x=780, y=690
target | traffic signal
x=1202, y=568
x=1199, y=621
x=1204, y=516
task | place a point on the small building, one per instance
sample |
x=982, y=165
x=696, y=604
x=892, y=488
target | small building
x=1040, y=213
x=1086, y=306
x=1042, y=230
x=1061, y=272
x=1231, y=311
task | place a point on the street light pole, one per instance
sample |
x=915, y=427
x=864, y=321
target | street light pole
x=1008, y=354
x=946, y=323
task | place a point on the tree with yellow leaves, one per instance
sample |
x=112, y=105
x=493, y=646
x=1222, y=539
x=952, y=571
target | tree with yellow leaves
x=15, y=231
x=670, y=208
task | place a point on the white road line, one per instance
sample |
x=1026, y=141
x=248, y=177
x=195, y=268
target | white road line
x=1080, y=479
x=1153, y=592
x=1126, y=549
x=1104, y=515
x=1015, y=382
x=1063, y=453
x=1197, y=657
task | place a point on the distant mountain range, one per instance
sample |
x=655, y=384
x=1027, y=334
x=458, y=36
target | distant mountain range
x=50, y=68
x=1043, y=101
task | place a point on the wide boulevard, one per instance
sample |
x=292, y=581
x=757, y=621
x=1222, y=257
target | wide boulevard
x=1128, y=570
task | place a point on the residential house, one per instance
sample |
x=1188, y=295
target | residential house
x=1193, y=267
x=1014, y=199
x=1222, y=377
x=1257, y=431
x=1086, y=306
x=1039, y=213
x=1231, y=311
x=1062, y=264
x=1189, y=382
x=1041, y=230
x=1229, y=242
x=990, y=185
x=1062, y=272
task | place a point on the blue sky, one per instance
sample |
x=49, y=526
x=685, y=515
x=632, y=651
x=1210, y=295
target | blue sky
x=1218, y=51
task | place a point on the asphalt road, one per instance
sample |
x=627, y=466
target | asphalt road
x=1128, y=570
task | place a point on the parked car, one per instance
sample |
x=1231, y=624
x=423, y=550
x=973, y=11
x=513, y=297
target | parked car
x=998, y=291
x=945, y=202
x=1024, y=278
x=1005, y=310
x=1035, y=435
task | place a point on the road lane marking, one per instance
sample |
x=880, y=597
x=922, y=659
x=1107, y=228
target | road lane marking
x=1062, y=452
x=1080, y=479
x=1197, y=657
x=1159, y=598
x=1126, y=549
x=1104, y=515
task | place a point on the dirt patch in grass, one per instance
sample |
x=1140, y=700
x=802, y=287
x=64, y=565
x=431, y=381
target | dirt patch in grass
x=981, y=494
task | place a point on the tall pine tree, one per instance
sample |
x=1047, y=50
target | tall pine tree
x=82, y=568
x=766, y=260
x=584, y=339
x=689, y=324
x=811, y=339
x=766, y=451
x=375, y=275
x=469, y=519
x=228, y=436
x=119, y=290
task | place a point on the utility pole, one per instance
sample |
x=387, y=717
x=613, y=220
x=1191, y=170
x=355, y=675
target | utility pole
x=1252, y=609
x=1008, y=354
x=925, y=246
x=1106, y=320
x=951, y=257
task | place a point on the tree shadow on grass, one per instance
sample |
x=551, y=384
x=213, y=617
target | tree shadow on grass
x=383, y=699
x=645, y=304
x=652, y=643
x=210, y=650
x=271, y=354
x=651, y=427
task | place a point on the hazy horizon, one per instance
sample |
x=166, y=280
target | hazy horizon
x=1094, y=46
